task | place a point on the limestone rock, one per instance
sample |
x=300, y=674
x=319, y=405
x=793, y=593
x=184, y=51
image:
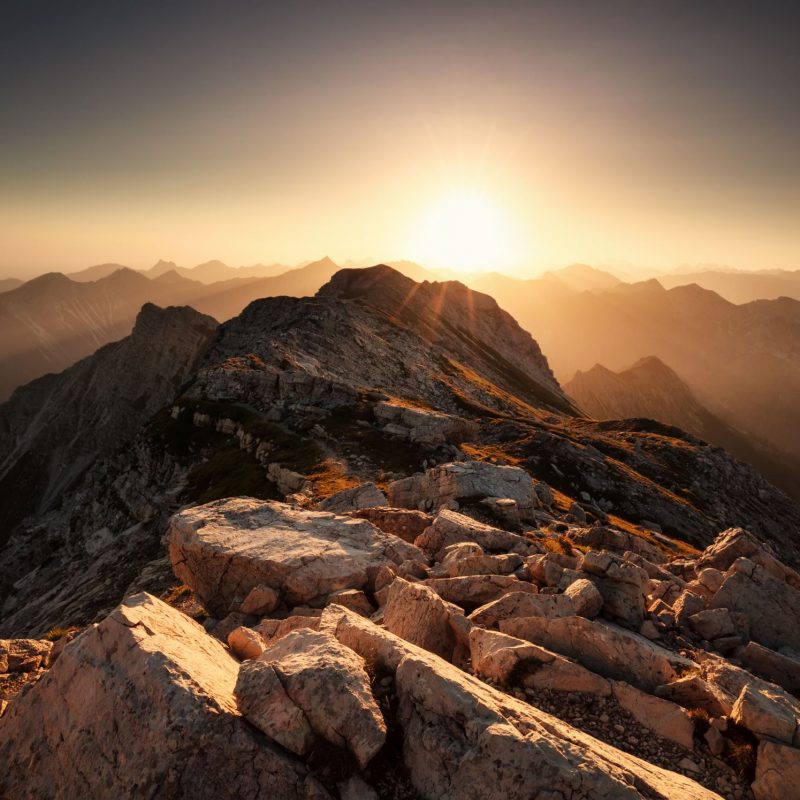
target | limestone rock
x=423, y=425
x=263, y=702
x=23, y=655
x=326, y=681
x=472, y=480
x=271, y=630
x=522, y=604
x=781, y=668
x=402, y=522
x=457, y=731
x=713, y=623
x=766, y=713
x=666, y=719
x=585, y=597
x=777, y=771
x=226, y=548
x=603, y=648
x=368, y=495
x=354, y=599
x=476, y=590
x=245, y=643
x=450, y=527
x=484, y=565
x=142, y=702
x=260, y=601
x=505, y=658
x=418, y=615
x=770, y=605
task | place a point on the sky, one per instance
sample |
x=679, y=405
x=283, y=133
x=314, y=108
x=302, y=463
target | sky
x=492, y=135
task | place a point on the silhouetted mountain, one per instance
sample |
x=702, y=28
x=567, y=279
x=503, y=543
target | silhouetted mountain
x=52, y=321
x=582, y=277
x=52, y=429
x=652, y=390
x=741, y=361
x=741, y=287
x=7, y=284
x=95, y=273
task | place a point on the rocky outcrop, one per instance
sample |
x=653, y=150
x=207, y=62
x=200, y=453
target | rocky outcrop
x=53, y=429
x=225, y=549
x=469, y=480
x=456, y=731
x=417, y=614
x=81, y=730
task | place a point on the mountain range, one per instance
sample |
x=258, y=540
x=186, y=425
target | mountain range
x=298, y=549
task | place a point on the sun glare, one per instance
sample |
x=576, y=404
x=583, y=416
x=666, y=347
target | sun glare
x=465, y=231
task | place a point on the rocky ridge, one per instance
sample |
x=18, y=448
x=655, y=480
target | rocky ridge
x=401, y=531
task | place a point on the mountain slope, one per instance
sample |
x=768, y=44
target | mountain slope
x=742, y=362
x=51, y=322
x=651, y=389
x=52, y=429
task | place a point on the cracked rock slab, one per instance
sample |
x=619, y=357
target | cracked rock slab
x=225, y=549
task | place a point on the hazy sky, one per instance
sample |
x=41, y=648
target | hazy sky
x=526, y=134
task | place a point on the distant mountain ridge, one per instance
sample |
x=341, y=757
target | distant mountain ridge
x=650, y=389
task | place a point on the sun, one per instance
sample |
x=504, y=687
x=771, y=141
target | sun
x=463, y=230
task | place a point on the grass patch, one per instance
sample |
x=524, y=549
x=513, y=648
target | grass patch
x=54, y=634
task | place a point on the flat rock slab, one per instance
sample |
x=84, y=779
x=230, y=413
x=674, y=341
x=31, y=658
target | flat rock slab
x=225, y=549
x=141, y=705
x=601, y=647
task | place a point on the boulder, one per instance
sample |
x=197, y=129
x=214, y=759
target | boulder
x=260, y=601
x=263, y=702
x=770, y=605
x=418, y=615
x=603, y=648
x=476, y=590
x=245, y=643
x=322, y=688
x=601, y=537
x=506, y=659
x=777, y=771
x=781, y=668
x=464, y=480
x=463, y=739
x=271, y=630
x=225, y=549
x=423, y=425
x=713, y=623
x=450, y=527
x=368, y=495
x=354, y=599
x=484, y=565
x=585, y=597
x=522, y=604
x=141, y=705
x=400, y=522
x=24, y=655
x=687, y=605
x=767, y=713
x=693, y=692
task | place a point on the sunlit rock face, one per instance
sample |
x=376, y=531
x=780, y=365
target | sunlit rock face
x=141, y=705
